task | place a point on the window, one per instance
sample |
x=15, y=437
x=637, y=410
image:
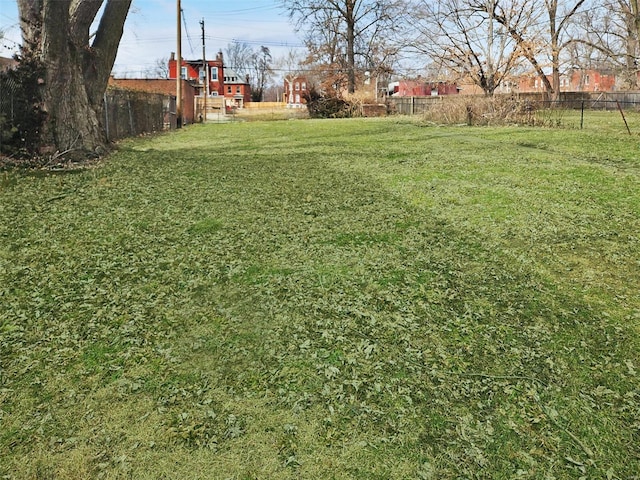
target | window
x=183, y=72
x=304, y=85
x=229, y=89
x=297, y=98
x=297, y=86
x=214, y=73
x=586, y=80
x=238, y=90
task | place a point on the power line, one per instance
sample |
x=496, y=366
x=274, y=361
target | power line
x=167, y=38
x=263, y=8
x=258, y=42
x=184, y=21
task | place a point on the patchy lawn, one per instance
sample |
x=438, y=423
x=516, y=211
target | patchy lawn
x=326, y=299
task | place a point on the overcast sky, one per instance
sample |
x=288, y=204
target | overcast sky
x=150, y=30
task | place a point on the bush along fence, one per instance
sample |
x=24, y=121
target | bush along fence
x=129, y=113
x=530, y=109
x=569, y=100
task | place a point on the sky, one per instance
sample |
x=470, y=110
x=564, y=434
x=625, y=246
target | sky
x=150, y=30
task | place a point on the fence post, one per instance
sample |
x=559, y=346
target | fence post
x=133, y=132
x=106, y=115
x=582, y=115
x=623, y=117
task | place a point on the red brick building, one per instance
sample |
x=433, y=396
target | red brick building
x=296, y=87
x=573, y=81
x=421, y=88
x=223, y=81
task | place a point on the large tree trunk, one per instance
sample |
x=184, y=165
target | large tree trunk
x=630, y=74
x=351, y=40
x=56, y=32
x=554, y=33
x=528, y=50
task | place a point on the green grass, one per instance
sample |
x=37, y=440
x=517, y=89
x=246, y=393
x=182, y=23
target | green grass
x=326, y=299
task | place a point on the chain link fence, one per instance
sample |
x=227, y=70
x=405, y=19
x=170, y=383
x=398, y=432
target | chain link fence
x=568, y=100
x=8, y=89
x=20, y=117
x=529, y=109
x=125, y=113
x=129, y=113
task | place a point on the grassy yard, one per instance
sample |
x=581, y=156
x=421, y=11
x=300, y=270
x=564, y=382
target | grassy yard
x=349, y=299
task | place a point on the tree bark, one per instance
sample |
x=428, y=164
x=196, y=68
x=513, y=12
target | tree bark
x=631, y=44
x=351, y=39
x=557, y=27
x=56, y=32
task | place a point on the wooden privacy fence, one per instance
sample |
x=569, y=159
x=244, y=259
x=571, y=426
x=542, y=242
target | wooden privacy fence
x=129, y=113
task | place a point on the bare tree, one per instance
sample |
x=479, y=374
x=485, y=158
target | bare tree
x=542, y=35
x=261, y=73
x=610, y=33
x=240, y=56
x=160, y=69
x=344, y=30
x=560, y=14
x=465, y=37
x=252, y=63
x=76, y=65
x=326, y=63
x=522, y=21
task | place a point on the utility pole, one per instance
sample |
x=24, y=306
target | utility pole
x=179, y=68
x=205, y=66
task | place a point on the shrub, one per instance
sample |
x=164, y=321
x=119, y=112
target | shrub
x=479, y=110
x=328, y=106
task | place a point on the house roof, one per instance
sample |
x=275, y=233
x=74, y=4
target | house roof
x=153, y=85
x=232, y=78
x=198, y=63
